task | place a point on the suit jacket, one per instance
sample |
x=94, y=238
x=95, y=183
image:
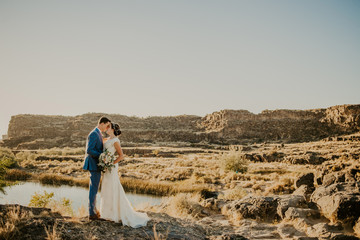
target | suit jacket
x=94, y=147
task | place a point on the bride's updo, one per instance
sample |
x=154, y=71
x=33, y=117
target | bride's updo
x=116, y=128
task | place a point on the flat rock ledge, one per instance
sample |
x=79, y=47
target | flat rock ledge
x=34, y=223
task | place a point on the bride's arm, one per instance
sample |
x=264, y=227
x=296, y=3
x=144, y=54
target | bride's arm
x=119, y=151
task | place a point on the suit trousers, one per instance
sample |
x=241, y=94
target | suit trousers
x=94, y=187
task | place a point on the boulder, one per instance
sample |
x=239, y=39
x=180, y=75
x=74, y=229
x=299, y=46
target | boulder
x=304, y=191
x=287, y=201
x=287, y=231
x=293, y=213
x=332, y=178
x=339, y=202
x=305, y=179
x=254, y=207
x=352, y=174
x=328, y=231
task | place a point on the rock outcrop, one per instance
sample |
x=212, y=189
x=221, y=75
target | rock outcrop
x=225, y=127
x=20, y=222
x=339, y=202
x=290, y=125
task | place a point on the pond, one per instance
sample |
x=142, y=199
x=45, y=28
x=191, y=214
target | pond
x=21, y=194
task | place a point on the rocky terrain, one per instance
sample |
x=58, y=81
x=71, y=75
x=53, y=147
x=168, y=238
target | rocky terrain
x=42, y=223
x=306, y=190
x=223, y=127
x=283, y=174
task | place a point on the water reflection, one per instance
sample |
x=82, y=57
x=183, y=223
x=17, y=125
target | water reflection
x=21, y=194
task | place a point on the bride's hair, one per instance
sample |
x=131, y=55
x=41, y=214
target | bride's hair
x=116, y=128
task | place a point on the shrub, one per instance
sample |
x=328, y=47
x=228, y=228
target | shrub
x=6, y=152
x=64, y=206
x=7, y=158
x=234, y=161
x=184, y=205
x=41, y=200
x=24, y=156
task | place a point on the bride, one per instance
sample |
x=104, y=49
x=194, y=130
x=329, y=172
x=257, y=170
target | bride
x=114, y=204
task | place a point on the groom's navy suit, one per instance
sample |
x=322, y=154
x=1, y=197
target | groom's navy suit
x=94, y=147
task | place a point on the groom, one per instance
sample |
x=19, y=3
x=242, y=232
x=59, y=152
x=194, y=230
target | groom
x=94, y=147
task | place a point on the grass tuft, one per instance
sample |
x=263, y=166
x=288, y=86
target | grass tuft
x=9, y=222
x=234, y=161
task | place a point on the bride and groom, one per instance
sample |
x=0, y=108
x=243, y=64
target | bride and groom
x=114, y=204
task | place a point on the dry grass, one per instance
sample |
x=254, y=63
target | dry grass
x=159, y=188
x=184, y=205
x=17, y=175
x=51, y=232
x=284, y=186
x=81, y=212
x=147, y=187
x=63, y=151
x=10, y=221
x=234, y=161
x=55, y=179
x=25, y=156
x=189, y=169
x=158, y=236
x=233, y=194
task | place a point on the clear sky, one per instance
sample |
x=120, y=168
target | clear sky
x=155, y=57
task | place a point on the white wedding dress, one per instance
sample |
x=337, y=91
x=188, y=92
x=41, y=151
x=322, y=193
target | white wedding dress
x=114, y=204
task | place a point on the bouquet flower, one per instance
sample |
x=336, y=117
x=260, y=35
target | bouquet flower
x=106, y=161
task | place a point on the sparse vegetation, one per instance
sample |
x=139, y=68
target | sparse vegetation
x=41, y=200
x=234, y=194
x=46, y=200
x=10, y=221
x=17, y=175
x=63, y=151
x=7, y=158
x=25, y=156
x=56, y=179
x=184, y=175
x=234, y=161
x=284, y=186
x=184, y=205
x=51, y=232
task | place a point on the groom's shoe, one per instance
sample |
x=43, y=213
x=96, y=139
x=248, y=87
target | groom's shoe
x=94, y=217
x=97, y=213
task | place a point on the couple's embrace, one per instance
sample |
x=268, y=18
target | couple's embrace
x=114, y=204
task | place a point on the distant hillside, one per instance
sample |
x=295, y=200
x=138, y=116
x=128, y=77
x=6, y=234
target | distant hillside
x=224, y=127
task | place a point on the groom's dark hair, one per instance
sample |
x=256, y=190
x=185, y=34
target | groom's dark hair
x=104, y=120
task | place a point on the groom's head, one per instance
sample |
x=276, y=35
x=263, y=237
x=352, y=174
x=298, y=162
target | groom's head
x=104, y=124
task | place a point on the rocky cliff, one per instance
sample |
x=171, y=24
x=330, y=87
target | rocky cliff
x=223, y=127
x=289, y=125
